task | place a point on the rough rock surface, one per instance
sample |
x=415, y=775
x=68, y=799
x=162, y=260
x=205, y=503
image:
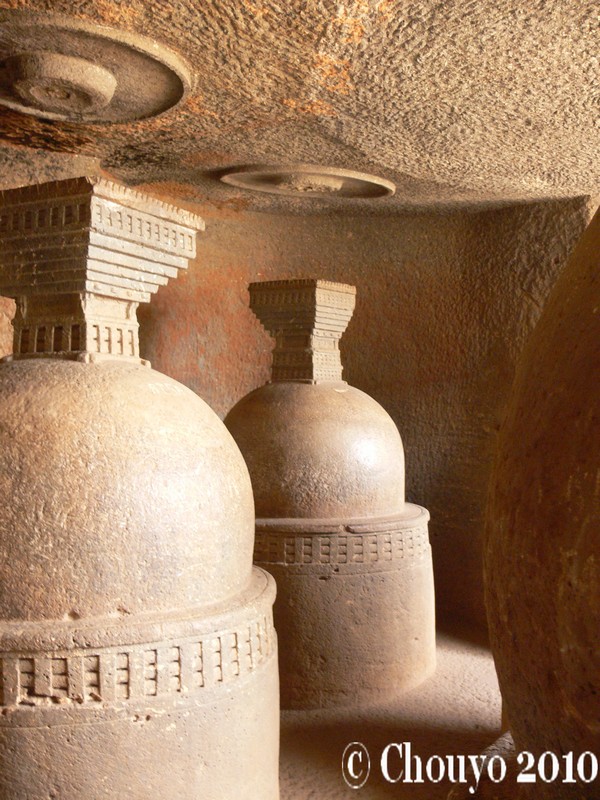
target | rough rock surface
x=7, y=312
x=542, y=545
x=455, y=102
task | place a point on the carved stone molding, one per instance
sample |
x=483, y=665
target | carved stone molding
x=133, y=665
x=308, y=180
x=307, y=317
x=62, y=68
x=376, y=546
x=79, y=256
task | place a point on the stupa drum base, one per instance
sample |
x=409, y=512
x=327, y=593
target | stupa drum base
x=153, y=691
x=375, y=578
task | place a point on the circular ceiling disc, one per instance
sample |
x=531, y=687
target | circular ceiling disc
x=307, y=180
x=64, y=69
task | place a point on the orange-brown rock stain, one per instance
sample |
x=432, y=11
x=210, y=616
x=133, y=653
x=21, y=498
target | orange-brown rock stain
x=333, y=73
x=124, y=15
x=318, y=108
x=351, y=23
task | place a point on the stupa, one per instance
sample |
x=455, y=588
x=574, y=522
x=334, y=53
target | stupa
x=542, y=544
x=351, y=558
x=137, y=649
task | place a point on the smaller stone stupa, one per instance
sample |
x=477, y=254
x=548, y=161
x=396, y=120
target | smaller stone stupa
x=352, y=561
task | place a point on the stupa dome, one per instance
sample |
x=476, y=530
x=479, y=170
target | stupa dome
x=335, y=451
x=124, y=485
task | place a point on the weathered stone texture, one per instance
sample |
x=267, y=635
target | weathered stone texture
x=460, y=291
x=320, y=451
x=151, y=552
x=7, y=312
x=543, y=535
x=444, y=305
x=453, y=101
x=61, y=68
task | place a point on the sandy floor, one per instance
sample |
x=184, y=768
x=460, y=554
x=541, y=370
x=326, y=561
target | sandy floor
x=457, y=711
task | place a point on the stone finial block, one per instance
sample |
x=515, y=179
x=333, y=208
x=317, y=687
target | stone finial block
x=307, y=317
x=80, y=255
x=91, y=235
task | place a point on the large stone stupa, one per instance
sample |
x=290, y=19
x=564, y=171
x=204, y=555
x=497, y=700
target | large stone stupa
x=137, y=649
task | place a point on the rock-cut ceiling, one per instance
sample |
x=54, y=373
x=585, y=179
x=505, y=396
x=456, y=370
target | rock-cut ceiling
x=454, y=101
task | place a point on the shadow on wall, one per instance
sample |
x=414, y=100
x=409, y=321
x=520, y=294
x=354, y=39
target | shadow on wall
x=444, y=305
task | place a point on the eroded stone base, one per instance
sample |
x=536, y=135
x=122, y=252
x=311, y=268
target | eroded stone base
x=159, y=708
x=355, y=608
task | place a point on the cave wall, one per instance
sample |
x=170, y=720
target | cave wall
x=445, y=303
